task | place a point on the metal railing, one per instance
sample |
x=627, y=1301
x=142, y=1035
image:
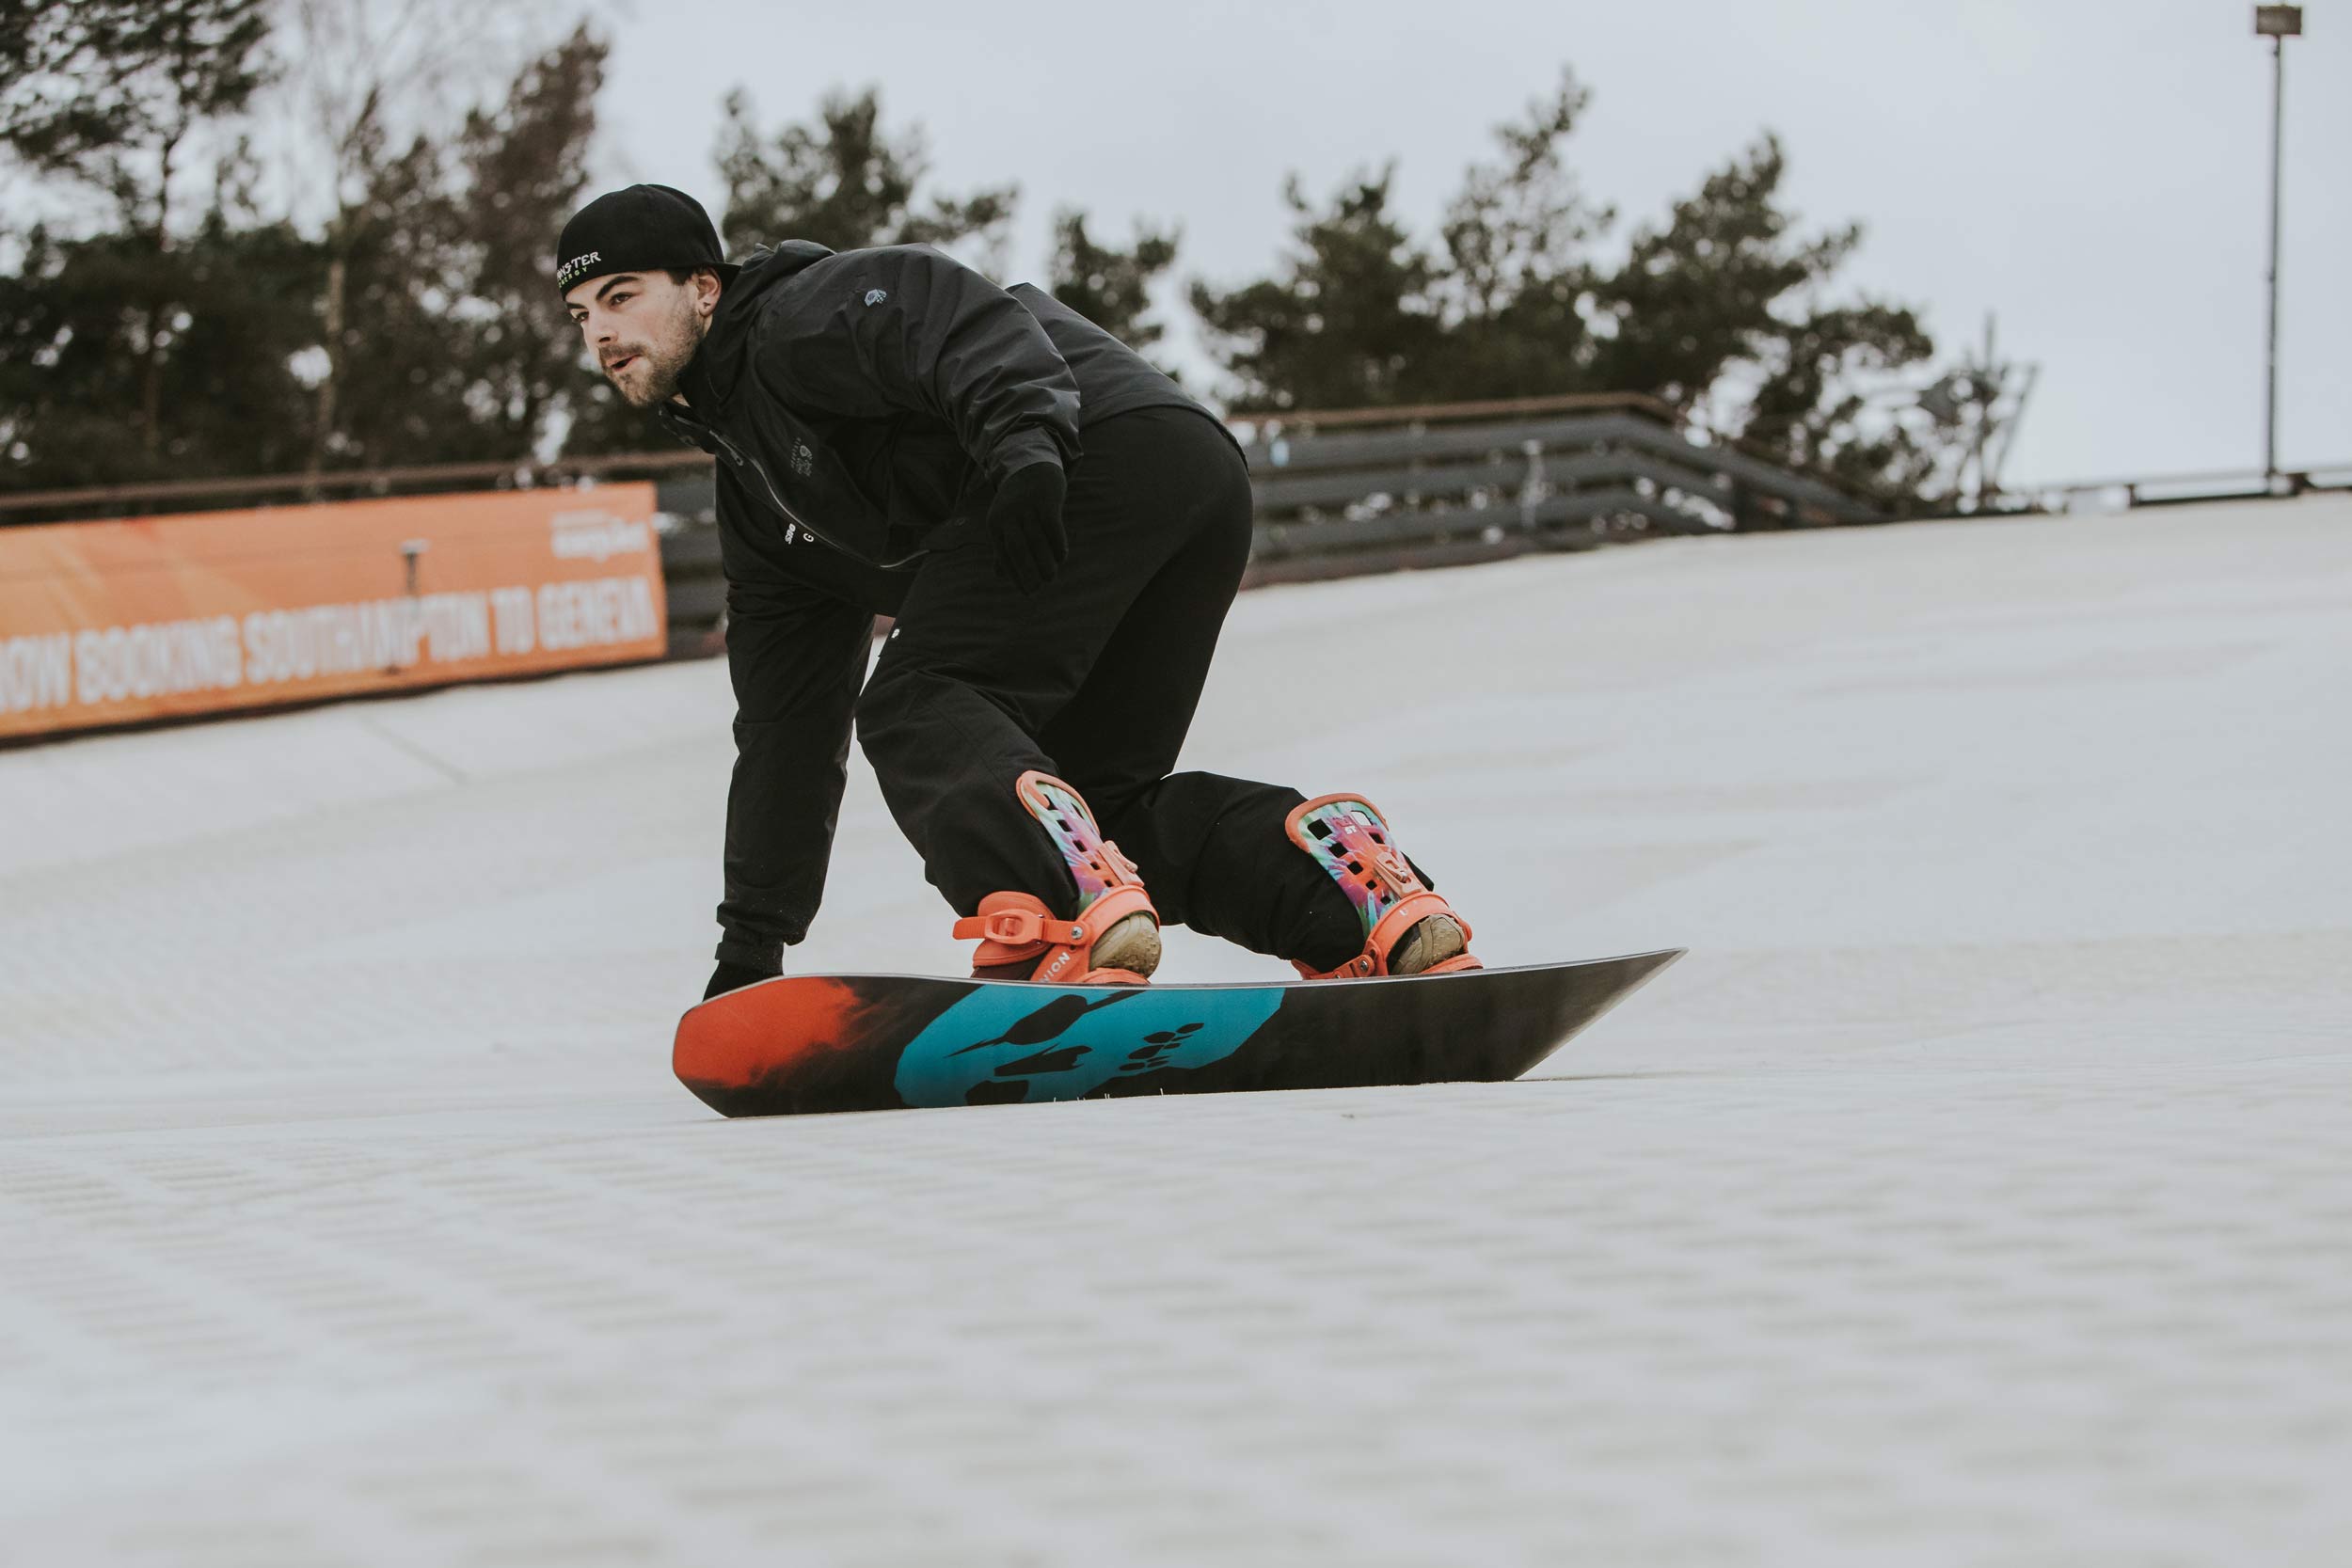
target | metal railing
x=696, y=588
x=1337, y=492
x=1366, y=490
x=158, y=497
x=1535, y=474
x=2111, y=495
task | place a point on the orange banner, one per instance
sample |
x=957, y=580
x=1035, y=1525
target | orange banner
x=108, y=623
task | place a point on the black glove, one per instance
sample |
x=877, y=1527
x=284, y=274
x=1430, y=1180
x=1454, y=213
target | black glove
x=732, y=976
x=1024, y=518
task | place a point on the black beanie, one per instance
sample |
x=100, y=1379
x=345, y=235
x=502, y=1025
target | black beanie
x=640, y=228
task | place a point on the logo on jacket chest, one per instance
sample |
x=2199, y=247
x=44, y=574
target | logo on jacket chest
x=804, y=460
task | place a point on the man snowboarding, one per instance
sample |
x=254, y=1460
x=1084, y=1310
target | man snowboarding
x=1058, y=530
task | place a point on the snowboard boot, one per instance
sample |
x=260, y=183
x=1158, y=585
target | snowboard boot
x=1408, y=929
x=1115, y=940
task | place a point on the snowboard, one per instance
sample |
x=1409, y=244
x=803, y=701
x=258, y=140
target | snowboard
x=875, y=1042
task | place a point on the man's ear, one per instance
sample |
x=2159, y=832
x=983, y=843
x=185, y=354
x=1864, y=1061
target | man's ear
x=706, y=290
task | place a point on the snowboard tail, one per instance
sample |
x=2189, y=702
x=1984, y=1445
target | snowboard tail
x=873, y=1042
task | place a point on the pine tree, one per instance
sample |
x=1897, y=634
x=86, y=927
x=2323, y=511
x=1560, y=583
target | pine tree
x=114, y=98
x=1349, y=321
x=1517, y=282
x=455, y=345
x=844, y=183
x=522, y=170
x=1725, y=310
x=1110, y=287
x=1813, y=410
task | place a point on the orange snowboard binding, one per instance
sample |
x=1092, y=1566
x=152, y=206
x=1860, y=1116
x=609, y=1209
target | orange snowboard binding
x=1408, y=929
x=1115, y=940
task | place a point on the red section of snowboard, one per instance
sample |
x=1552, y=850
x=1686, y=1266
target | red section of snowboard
x=736, y=1047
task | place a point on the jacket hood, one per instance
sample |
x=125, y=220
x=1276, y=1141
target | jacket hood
x=770, y=265
x=710, y=376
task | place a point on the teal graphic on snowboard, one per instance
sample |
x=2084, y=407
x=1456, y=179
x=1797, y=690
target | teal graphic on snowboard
x=1064, y=1045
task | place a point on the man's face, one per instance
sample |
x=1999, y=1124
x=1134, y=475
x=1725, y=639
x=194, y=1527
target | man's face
x=643, y=328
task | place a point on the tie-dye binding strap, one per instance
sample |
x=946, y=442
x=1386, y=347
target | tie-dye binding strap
x=1015, y=927
x=1350, y=840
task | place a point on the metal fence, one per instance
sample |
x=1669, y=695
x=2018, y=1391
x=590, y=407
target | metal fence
x=1543, y=474
x=2118, y=494
x=1338, y=495
x=690, y=565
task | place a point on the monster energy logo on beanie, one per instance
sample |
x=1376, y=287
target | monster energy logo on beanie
x=640, y=228
x=577, y=268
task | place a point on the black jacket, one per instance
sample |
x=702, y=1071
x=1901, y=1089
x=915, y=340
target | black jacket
x=862, y=406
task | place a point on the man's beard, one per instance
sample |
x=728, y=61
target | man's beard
x=653, y=368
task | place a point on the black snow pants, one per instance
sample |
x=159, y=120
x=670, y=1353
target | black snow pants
x=1093, y=679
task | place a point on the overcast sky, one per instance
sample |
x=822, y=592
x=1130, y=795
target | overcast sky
x=2096, y=174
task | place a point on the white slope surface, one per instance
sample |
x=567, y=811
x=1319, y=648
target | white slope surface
x=1977, y=1191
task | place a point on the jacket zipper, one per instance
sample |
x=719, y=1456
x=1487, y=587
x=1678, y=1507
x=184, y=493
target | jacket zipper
x=735, y=456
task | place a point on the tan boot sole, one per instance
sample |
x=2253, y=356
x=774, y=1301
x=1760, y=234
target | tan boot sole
x=1133, y=944
x=1434, y=941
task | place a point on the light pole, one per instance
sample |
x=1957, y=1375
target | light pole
x=2277, y=23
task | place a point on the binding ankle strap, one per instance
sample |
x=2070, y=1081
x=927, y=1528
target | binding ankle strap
x=1015, y=927
x=1020, y=927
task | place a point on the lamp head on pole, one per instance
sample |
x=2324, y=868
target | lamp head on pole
x=2278, y=22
